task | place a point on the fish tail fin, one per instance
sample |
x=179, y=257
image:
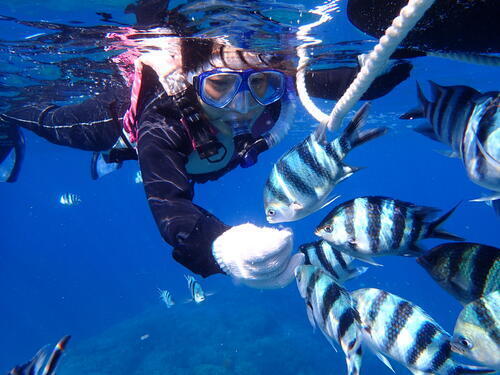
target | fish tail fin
x=353, y=360
x=434, y=232
x=50, y=367
x=353, y=136
x=468, y=369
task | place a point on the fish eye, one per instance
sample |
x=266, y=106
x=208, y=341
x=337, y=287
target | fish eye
x=465, y=343
x=328, y=229
x=271, y=212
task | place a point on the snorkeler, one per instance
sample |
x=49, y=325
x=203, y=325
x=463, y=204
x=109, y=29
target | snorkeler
x=198, y=109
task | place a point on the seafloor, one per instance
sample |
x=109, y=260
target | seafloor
x=224, y=335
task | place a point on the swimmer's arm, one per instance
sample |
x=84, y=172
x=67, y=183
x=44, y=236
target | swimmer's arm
x=188, y=228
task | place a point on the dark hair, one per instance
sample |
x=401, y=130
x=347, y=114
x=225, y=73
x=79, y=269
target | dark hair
x=197, y=52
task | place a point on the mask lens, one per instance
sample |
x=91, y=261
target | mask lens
x=219, y=89
x=267, y=87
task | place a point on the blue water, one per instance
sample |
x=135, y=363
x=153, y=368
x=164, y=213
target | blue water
x=93, y=270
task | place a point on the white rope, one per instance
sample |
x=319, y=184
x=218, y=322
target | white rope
x=302, y=34
x=377, y=59
x=468, y=58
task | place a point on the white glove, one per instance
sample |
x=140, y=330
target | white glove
x=259, y=257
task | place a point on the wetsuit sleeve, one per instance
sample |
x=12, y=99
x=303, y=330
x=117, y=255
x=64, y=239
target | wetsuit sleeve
x=91, y=125
x=163, y=146
x=332, y=83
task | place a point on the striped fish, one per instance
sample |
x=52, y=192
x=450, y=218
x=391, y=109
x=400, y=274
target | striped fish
x=69, y=199
x=322, y=254
x=477, y=331
x=34, y=366
x=329, y=306
x=401, y=330
x=303, y=179
x=374, y=226
x=466, y=270
x=197, y=293
x=468, y=122
x=481, y=145
x=166, y=297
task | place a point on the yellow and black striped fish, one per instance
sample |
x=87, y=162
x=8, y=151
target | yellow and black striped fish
x=468, y=122
x=322, y=254
x=368, y=227
x=197, y=293
x=329, y=306
x=477, y=331
x=401, y=330
x=302, y=180
x=466, y=270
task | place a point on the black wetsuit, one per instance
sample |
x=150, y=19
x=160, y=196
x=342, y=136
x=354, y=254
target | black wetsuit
x=163, y=148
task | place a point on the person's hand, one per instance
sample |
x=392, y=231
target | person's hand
x=259, y=257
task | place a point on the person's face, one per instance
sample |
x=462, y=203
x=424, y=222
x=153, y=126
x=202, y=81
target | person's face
x=242, y=108
x=239, y=95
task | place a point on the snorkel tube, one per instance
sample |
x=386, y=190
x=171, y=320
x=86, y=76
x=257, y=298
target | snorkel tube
x=250, y=153
x=285, y=119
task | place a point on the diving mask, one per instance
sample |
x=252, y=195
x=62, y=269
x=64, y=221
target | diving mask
x=218, y=88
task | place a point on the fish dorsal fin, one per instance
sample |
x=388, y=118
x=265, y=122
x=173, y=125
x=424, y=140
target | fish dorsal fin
x=385, y=361
x=436, y=90
x=421, y=97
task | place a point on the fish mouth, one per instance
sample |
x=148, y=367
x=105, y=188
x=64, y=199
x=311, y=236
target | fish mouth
x=270, y=220
x=457, y=347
